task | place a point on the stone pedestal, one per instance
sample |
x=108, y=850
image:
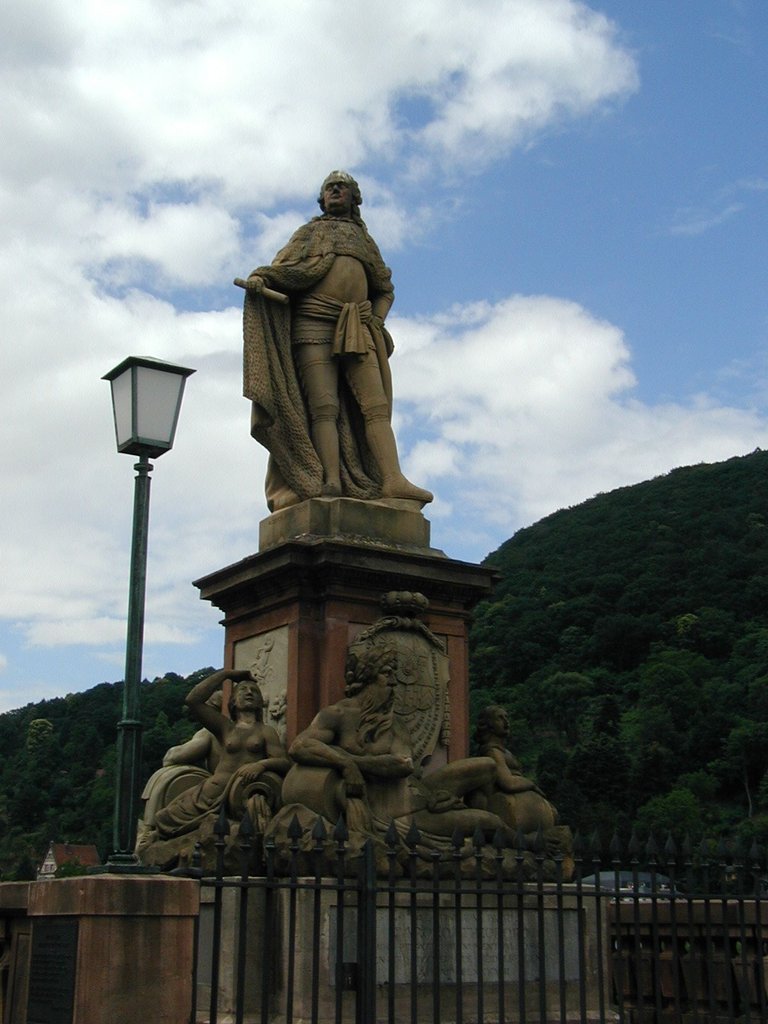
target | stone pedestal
x=109, y=948
x=291, y=611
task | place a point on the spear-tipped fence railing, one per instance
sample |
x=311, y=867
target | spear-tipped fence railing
x=329, y=932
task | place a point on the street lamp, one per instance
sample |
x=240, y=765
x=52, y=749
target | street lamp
x=146, y=398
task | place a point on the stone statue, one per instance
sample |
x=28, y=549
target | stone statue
x=246, y=776
x=184, y=766
x=356, y=759
x=515, y=799
x=316, y=360
x=377, y=759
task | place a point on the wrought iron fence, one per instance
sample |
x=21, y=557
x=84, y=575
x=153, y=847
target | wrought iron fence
x=631, y=934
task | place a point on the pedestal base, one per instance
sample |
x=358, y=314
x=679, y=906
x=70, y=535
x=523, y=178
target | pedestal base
x=109, y=948
x=394, y=522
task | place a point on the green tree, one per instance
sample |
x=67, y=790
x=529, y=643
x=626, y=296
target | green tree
x=678, y=812
x=745, y=758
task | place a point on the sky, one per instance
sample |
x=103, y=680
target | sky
x=573, y=198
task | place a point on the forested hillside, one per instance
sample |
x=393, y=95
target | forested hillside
x=58, y=765
x=628, y=639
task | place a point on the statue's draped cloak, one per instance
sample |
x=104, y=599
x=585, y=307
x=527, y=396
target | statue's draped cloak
x=279, y=418
x=190, y=808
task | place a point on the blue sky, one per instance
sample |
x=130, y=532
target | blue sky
x=573, y=198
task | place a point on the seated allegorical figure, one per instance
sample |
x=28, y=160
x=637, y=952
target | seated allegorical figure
x=517, y=800
x=184, y=765
x=247, y=772
x=356, y=758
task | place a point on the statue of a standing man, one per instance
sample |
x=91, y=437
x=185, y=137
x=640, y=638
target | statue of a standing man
x=316, y=360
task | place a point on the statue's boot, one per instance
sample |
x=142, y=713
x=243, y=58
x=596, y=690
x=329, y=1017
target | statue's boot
x=381, y=441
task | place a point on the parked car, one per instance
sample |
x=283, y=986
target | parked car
x=643, y=885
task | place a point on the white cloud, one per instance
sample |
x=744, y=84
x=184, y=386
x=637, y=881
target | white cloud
x=526, y=406
x=697, y=222
x=240, y=99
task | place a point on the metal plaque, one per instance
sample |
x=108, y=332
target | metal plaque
x=52, y=971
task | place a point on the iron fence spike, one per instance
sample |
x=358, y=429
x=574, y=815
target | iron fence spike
x=340, y=831
x=413, y=836
x=319, y=831
x=221, y=827
x=391, y=835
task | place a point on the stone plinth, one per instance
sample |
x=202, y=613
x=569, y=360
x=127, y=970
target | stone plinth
x=394, y=522
x=291, y=611
x=110, y=948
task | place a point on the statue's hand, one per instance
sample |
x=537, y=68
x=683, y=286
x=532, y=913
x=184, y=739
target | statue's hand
x=402, y=764
x=353, y=778
x=251, y=772
x=237, y=675
x=255, y=283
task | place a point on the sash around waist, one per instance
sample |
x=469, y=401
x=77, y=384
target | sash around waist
x=350, y=335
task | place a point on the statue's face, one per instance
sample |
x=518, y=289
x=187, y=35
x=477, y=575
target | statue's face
x=337, y=198
x=500, y=722
x=247, y=696
x=385, y=683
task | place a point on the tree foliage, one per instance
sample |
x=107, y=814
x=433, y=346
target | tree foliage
x=628, y=637
x=58, y=766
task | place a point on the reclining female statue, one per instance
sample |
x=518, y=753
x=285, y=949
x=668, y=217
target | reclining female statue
x=515, y=799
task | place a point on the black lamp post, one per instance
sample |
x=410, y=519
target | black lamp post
x=146, y=398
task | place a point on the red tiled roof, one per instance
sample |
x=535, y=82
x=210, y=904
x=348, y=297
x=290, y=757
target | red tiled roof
x=87, y=855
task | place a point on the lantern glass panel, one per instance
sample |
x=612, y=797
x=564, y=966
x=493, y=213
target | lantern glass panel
x=157, y=403
x=122, y=402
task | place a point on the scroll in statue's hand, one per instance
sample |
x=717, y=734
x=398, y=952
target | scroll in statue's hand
x=256, y=284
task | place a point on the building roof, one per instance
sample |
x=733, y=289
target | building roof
x=85, y=854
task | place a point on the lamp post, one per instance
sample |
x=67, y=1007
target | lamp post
x=146, y=398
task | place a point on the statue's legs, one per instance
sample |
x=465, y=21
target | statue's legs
x=319, y=375
x=364, y=379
